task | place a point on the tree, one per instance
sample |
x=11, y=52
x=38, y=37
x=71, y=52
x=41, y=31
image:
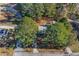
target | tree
x=57, y=35
x=32, y=10
x=25, y=9
x=60, y=34
x=49, y=10
x=27, y=31
x=38, y=10
x=72, y=11
x=71, y=8
x=72, y=36
x=19, y=7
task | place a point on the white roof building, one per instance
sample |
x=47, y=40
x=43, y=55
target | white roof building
x=42, y=28
x=8, y=27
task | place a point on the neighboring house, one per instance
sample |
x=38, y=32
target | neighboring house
x=42, y=24
x=2, y=17
x=7, y=28
x=4, y=24
x=2, y=6
x=42, y=27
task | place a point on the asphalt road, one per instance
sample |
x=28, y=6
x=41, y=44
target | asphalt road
x=21, y=52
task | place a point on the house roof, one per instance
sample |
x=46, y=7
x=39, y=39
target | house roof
x=41, y=22
x=7, y=26
x=2, y=16
x=44, y=21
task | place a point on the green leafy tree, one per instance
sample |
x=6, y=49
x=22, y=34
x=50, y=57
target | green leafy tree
x=19, y=7
x=32, y=10
x=66, y=23
x=57, y=34
x=38, y=10
x=25, y=9
x=71, y=8
x=72, y=36
x=27, y=31
x=60, y=34
x=49, y=10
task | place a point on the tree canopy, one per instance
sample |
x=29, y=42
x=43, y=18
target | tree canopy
x=57, y=34
x=27, y=31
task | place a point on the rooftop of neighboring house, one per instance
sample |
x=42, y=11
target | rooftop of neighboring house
x=2, y=17
x=4, y=14
x=44, y=21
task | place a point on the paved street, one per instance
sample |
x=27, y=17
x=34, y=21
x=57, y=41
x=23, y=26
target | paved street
x=21, y=52
x=44, y=54
x=37, y=54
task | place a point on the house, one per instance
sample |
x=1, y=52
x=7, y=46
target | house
x=4, y=14
x=42, y=23
x=4, y=23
